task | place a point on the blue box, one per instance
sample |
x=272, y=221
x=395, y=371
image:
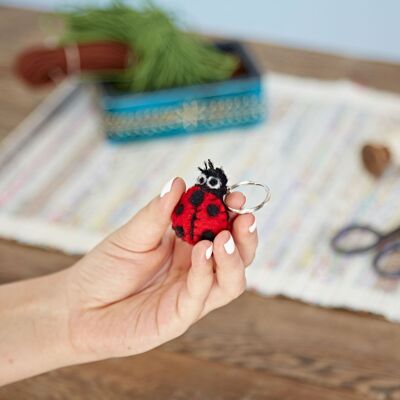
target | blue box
x=236, y=102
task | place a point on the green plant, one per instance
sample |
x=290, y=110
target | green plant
x=165, y=56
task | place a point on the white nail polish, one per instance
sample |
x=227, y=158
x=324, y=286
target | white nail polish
x=167, y=187
x=230, y=245
x=209, y=252
x=253, y=227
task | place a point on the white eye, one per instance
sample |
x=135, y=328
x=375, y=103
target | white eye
x=213, y=182
x=201, y=180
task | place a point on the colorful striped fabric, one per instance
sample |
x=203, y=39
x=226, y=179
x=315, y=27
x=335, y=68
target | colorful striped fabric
x=63, y=185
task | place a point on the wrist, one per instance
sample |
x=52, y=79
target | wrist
x=51, y=311
x=34, y=327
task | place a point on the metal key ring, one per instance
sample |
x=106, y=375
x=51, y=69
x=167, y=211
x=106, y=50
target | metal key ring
x=251, y=209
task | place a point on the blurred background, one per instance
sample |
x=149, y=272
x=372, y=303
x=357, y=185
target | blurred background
x=361, y=28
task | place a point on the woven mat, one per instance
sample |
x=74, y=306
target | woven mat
x=63, y=186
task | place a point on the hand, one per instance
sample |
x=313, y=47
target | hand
x=142, y=286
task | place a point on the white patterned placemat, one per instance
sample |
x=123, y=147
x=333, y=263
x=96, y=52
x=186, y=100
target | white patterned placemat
x=62, y=185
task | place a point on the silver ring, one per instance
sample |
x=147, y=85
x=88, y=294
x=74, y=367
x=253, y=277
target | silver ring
x=251, y=209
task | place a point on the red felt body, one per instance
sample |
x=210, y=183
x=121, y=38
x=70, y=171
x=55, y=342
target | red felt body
x=193, y=222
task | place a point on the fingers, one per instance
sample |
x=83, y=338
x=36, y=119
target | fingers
x=243, y=228
x=230, y=273
x=181, y=260
x=199, y=281
x=146, y=229
x=235, y=200
x=244, y=231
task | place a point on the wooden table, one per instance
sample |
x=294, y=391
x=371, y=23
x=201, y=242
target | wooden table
x=255, y=348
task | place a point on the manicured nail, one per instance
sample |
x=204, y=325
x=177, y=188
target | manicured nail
x=230, y=245
x=253, y=227
x=167, y=187
x=209, y=252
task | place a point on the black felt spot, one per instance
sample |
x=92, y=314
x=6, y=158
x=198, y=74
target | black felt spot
x=179, y=209
x=207, y=235
x=179, y=231
x=197, y=197
x=212, y=210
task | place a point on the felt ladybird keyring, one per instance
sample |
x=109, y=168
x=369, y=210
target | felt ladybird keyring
x=201, y=212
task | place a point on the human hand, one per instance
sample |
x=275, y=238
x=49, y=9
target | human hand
x=142, y=286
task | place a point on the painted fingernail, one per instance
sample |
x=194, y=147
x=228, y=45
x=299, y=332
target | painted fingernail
x=230, y=245
x=167, y=187
x=209, y=252
x=253, y=227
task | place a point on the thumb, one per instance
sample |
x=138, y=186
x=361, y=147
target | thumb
x=145, y=230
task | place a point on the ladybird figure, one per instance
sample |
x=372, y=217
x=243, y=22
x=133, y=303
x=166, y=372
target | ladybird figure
x=201, y=212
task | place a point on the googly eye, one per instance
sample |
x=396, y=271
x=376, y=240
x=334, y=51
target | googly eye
x=201, y=180
x=213, y=182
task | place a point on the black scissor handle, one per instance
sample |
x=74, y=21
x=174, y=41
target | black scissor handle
x=340, y=237
x=378, y=262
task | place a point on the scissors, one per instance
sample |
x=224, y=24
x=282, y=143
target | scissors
x=358, y=239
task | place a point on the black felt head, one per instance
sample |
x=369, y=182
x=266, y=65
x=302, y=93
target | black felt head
x=212, y=179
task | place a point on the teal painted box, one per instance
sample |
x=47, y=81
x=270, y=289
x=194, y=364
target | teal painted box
x=236, y=102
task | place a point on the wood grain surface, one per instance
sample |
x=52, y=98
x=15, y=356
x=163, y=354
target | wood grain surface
x=255, y=348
